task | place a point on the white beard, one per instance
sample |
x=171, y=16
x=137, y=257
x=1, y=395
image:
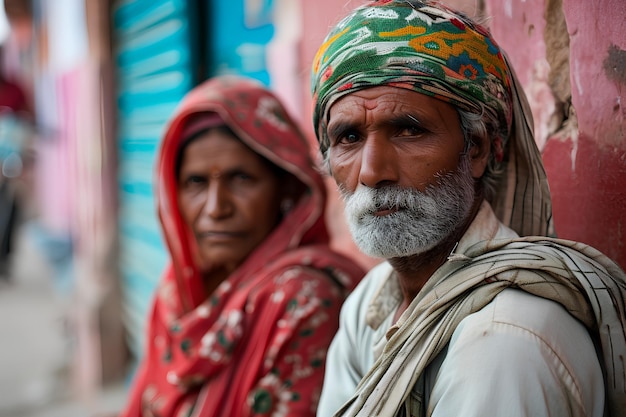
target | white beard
x=422, y=220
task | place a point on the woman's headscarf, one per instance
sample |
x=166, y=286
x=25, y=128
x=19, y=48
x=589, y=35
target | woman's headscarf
x=261, y=122
x=431, y=49
x=194, y=337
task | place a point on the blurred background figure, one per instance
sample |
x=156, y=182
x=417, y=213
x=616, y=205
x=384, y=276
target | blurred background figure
x=16, y=160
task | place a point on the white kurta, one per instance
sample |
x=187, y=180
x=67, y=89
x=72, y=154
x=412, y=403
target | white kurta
x=521, y=355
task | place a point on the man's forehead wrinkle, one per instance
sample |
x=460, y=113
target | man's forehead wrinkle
x=376, y=102
x=384, y=104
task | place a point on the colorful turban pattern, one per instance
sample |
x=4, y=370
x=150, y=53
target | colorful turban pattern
x=429, y=48
x=434, y=51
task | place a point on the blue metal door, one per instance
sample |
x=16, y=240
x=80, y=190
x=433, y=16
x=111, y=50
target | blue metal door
x=154, y=51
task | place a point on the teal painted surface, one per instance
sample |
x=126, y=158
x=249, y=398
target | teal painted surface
x=153, y=41
x=239, y=32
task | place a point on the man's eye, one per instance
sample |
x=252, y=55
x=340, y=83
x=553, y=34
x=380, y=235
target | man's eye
x=348, y=138
x=411, y=131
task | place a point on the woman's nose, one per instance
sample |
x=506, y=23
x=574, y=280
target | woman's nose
x=218, y=203
x=379, y=163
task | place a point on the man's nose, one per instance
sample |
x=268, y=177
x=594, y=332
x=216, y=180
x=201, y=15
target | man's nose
x=218, y=203
x=379, y=163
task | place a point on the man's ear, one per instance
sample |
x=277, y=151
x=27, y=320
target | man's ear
x=479, y=154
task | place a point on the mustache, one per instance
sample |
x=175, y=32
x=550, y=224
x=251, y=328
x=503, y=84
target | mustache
x=366, y=200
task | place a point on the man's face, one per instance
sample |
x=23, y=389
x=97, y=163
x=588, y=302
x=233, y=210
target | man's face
x=396, y=156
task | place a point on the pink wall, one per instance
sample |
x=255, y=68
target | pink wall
x=318, y=17
x=590, y=189
x=585, y=157
x=585, y=152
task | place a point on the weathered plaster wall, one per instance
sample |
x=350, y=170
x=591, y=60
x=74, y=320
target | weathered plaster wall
x=571, y=57
x=590, y=188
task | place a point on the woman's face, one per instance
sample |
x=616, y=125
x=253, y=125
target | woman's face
x=229, y=197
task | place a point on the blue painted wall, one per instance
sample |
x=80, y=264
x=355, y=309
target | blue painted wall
x=239, y=32
x=154, y=58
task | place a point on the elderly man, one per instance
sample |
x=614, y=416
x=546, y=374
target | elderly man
x=427, y=133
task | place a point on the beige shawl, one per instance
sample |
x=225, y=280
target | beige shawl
x=584, y=281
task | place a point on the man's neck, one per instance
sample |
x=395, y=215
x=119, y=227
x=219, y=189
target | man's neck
x=414, y=271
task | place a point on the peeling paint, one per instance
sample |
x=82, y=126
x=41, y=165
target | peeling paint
x=508, y=8
x=574, y=151
x=570, y=131
x=579, y=85
x=557, y=43
x=542, y=103
x=615, y=64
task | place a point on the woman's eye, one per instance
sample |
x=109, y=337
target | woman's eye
x=195, y=180
x=242, y=176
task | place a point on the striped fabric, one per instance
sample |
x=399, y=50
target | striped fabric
x=584, y=281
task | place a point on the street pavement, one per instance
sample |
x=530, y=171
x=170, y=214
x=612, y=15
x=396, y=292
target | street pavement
x=36, y=345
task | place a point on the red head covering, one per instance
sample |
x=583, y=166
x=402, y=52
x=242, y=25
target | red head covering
x=260, y=121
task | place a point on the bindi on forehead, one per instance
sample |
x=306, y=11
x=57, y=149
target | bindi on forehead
x=216, y=174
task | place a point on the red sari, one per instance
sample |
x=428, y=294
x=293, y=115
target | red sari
x=257, y=345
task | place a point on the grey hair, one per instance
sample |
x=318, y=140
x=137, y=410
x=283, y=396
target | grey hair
x=473, y=126
x=483, y=126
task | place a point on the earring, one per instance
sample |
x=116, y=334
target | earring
x=286, y=205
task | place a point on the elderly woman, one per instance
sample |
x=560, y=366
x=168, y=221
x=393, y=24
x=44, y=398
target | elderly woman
x=247, y=308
